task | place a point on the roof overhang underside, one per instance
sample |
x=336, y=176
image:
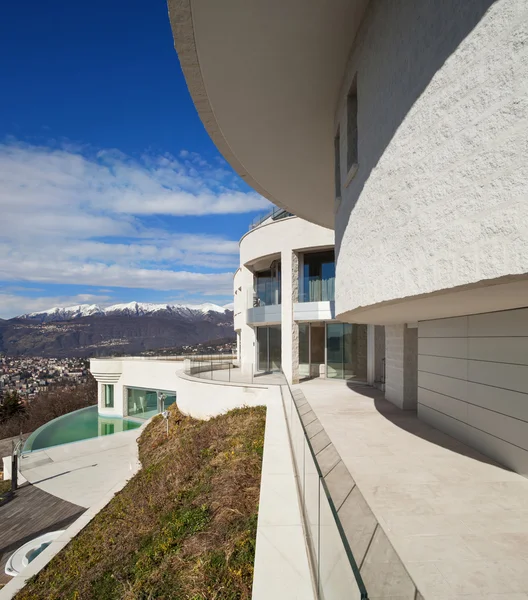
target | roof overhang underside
x=265, y=77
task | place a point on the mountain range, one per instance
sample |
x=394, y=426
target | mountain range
x=130, y=309
x=90, y=330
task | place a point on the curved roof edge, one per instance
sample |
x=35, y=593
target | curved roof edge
x=180, y=16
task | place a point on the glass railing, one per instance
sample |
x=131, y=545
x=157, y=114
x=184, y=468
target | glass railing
x=335, y=571
x=209, y=367
x=275, y=213
x=268, y=293
x=317, y=289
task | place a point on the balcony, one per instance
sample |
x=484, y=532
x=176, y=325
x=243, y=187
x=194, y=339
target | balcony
x=264, y=302
x=316, y=297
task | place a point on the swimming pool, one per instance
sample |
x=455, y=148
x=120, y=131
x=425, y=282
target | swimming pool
x=79, y=425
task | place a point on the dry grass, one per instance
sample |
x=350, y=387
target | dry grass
x=49, y=405
x=5, y=486
x=184, y=527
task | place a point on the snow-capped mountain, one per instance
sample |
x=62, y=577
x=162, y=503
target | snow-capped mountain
x=68, y=313
x=129, y=328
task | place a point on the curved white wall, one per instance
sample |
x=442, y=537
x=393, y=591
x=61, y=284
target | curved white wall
x=273, y=239
x=195, y=397
x=439, y=199
x=283, y=235
x=239, y=304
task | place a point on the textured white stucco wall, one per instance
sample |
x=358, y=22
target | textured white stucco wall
x=439, y=198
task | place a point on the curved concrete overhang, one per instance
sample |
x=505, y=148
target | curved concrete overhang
x=265, y=78
x=505, y=293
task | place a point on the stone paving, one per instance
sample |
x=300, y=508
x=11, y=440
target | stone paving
x=457, y=520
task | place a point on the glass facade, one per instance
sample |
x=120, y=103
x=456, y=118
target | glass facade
x=267, y=286
x=143, y=403
x=269, y=348
x=108, y=396
x=311, y=349
x=346, y=351
x=304, y=350
x=318, y=277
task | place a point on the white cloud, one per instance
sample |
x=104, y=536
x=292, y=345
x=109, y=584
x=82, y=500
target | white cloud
x=96, y=274
x=72, y=216
x=110, y=182
x=13, y=304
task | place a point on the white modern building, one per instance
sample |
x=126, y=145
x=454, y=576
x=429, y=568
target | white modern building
x=284, y=305
x=402, y=126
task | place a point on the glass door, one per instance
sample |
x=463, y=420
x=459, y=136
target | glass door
x=275, y=348
x=346, y=351
x=269, y=348
x=262, y=349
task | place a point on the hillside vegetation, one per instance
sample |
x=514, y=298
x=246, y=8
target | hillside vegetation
x=184, y=527
x=47, y=406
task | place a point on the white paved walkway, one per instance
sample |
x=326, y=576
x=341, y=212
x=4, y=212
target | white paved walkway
x=458, y=520
x=84, y=472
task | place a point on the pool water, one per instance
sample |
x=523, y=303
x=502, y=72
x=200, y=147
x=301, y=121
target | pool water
x=34, y=553
x=79, y=425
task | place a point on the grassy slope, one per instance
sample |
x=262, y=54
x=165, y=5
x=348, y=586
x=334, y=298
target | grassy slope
x=184, y=527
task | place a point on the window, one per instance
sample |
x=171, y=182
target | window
x=143, y=403
x=352, y=129
x=318, y=281
x=267, y=286
x=108, y=396
x=269, y=348
x=346, y=351
x=337, y=165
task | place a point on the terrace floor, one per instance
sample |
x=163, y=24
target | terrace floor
x=84, y=472
x=458, y=520
x=32, y=512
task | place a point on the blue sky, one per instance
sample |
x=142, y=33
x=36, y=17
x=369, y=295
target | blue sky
x=110, y=188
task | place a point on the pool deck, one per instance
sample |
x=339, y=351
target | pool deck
x=32, y=512
x=84, y=472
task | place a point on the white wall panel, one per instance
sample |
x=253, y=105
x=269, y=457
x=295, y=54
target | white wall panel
x=444, y=328
x=505, y=323
x=441, y=365
x=480, y=398
x=499, y=349
x=514, y=404
x=501, y=375
x=456, y=347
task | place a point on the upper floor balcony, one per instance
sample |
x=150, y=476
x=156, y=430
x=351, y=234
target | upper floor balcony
x=264, y=301
x=316, y=287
